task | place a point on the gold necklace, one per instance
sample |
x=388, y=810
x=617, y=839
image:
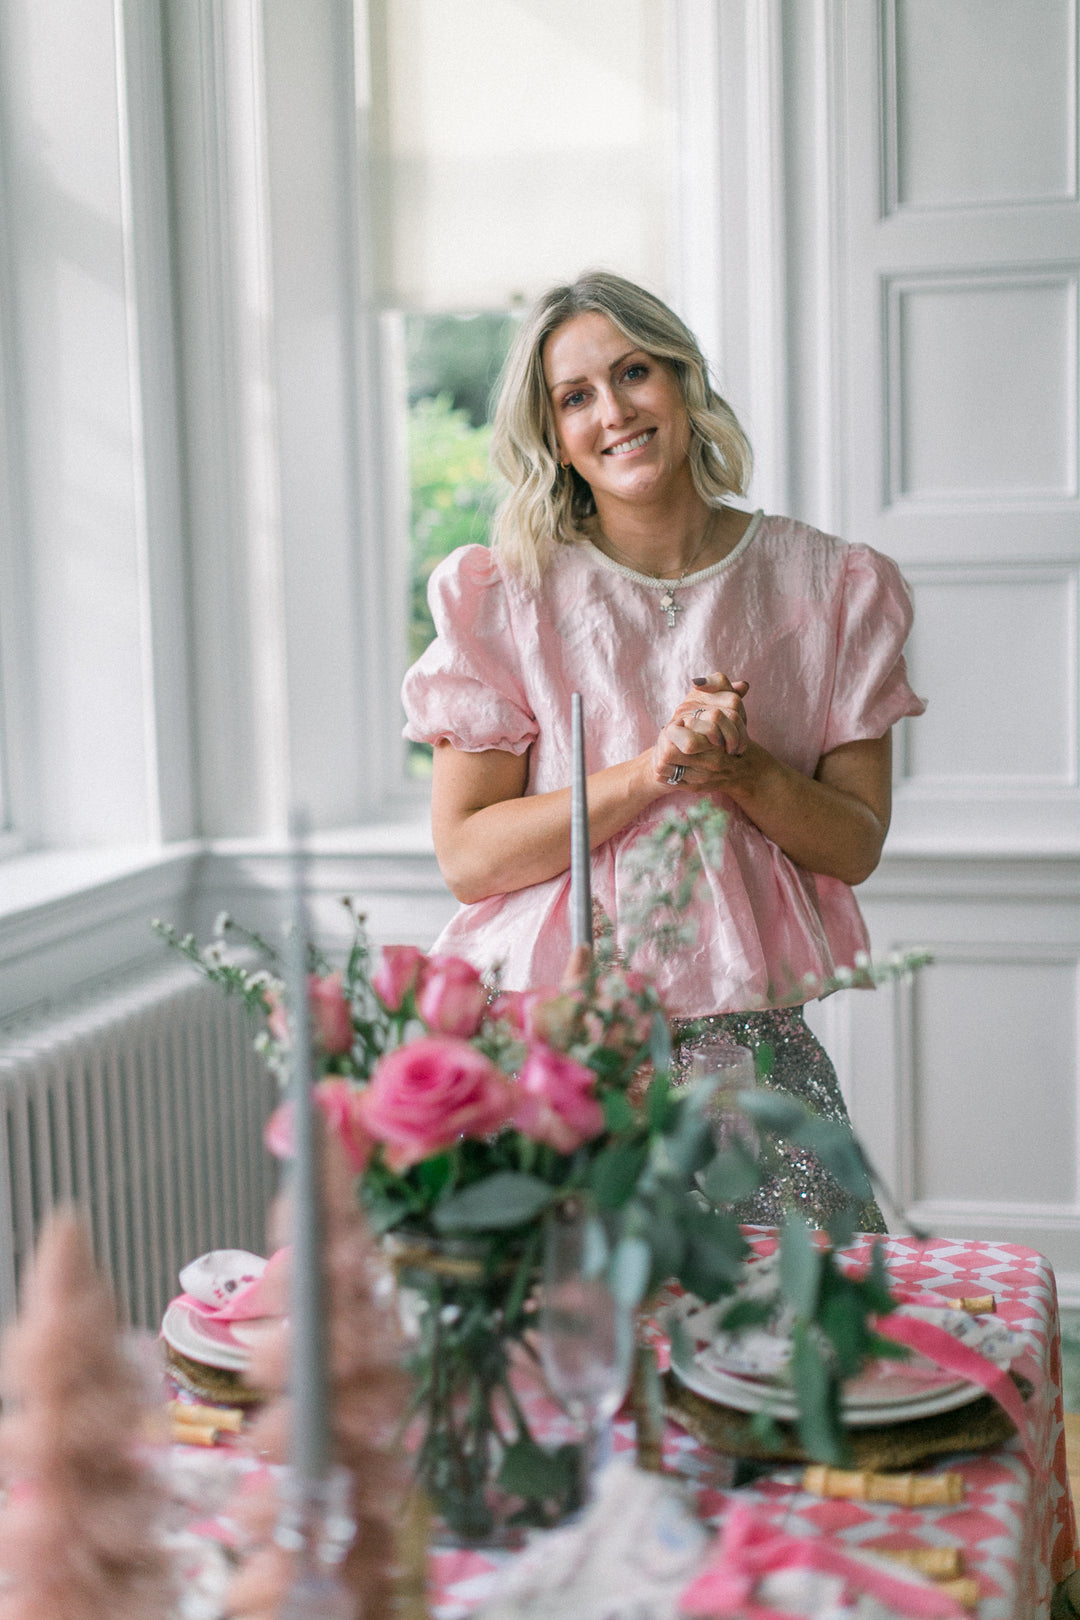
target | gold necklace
x=668, y=603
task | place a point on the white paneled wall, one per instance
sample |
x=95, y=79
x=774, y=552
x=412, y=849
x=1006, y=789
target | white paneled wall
x=938, y=234
x=880, y=236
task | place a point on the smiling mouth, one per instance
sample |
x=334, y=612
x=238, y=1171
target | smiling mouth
x=627, y=445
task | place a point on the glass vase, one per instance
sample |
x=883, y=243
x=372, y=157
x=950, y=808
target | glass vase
x=475, y=1455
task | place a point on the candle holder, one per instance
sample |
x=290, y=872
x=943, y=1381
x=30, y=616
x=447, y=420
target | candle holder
x=317, y=1529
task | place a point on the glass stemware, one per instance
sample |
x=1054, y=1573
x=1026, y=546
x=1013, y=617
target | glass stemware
x=586, y=1336
x=730, y=1068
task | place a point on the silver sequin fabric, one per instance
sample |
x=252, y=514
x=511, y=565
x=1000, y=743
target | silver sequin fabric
x=800, y=1065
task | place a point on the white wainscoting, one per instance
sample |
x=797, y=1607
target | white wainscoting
x=965, y=1083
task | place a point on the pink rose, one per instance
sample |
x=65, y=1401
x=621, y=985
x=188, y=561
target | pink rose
x=452, y=997
x=342, y=1106
x=557, y=1103
x=328, y=1009
x=331, y=1015
x=397, y=974
x=425, y=1096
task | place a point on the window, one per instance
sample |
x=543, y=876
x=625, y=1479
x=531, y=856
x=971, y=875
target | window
x=452, y=362
x=514, y=145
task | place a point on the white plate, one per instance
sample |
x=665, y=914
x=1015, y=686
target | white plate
x=764, y=1355
x=203, y=1339
x=748, y=1395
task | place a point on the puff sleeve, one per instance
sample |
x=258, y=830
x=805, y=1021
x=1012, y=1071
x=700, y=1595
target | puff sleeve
x=467, y=689
x=870, y=687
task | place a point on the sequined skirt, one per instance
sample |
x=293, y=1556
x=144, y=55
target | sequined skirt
x=800, y=1065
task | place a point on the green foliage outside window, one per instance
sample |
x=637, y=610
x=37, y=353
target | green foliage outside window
x=452, y=364
x=452, y=497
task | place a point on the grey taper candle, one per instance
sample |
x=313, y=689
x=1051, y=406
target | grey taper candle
x=581, y=931
x=310, y=1433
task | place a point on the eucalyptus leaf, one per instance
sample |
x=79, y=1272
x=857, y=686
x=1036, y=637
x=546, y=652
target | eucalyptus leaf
x=887, y=1349
x=506, y=1199
x=435, y=1174
x=595, y=1249
x=819, y=1427
x=876, y=1282
x=732, y=1175
x=631, y=1265
x=747, y=1313
x=841, y=1227
x=666, y=1242
x=689, y=1147
x=615, y=1173
x=714, y=1255
x=659, y=1104
x=772, y=1110
x=765, y=1431
x=618, y=1114
x=800, y=1267
x=606, y=1063
x=842, y=1318
x=660, y=1044
x=682, y=1343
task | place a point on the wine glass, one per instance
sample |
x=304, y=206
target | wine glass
x=586, y=1336
x=730, y=1069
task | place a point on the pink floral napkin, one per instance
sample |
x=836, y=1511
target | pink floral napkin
x=231, y=1285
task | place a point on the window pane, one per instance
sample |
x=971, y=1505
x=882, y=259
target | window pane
x=452, y=364
x=517, y=142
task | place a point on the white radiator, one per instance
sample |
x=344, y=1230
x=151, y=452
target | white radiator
x=145, y=1108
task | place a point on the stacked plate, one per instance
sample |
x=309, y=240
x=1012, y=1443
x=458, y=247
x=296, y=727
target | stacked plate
x=749, y=1371
x=210, y=1342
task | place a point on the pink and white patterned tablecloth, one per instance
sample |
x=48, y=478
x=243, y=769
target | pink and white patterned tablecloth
x=1016, y=1524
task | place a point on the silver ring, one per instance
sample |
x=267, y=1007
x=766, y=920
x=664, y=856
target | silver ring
x=676, y=776
x=696, y=713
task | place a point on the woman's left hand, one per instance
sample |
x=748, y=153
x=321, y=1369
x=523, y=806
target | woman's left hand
x=714, y=709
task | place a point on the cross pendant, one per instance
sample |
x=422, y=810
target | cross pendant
x=669, y=605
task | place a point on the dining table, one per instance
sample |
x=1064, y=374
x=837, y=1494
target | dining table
x=1014, y=1526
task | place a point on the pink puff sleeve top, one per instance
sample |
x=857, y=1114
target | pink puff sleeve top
x=816, y=626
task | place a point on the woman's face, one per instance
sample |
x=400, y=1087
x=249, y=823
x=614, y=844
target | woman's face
x=619, y=413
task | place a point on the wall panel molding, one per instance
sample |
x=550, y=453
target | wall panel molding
x=1043, y=168
x=971, y=624
x=1005, y=1003
x=1008, y=398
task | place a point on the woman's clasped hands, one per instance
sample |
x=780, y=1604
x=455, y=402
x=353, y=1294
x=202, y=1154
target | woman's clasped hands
x=701, y=749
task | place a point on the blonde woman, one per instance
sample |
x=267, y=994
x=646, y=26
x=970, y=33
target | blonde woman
x=749, y=658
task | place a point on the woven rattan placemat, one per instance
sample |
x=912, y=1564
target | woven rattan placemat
x=975, y=1427
x=210, y=1383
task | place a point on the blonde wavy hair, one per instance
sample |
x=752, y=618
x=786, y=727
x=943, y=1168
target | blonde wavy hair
x=547, y=504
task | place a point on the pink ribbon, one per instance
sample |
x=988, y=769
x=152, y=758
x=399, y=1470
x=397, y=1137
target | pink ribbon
x=749, y=1548
x=940, y=1347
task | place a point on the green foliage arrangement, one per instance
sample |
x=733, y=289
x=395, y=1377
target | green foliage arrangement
x=470, y=1115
